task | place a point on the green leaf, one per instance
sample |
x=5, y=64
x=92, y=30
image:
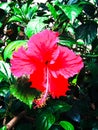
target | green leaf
x=17, y=11
x=45, y=120
x=14, y=45
x=56, y=127
x=52, y=10
x=87, y=32
x=97, y=2
x=70, y=2
x=5, y=72
x=3, y=128
x=2, y=76
x=67, y=42
x=24, y=93
x=66, y=125
x=1, y=24
x=93, y=67
x=15, y=19
x=95, y=128
x=2, y=112
x=70, y=29
x=80, y=42
x=72, y=11
x=31, y=11
x=59, y=106
x=24, y=9
x=29, y=2
x=3, y=15
x=89, y=9
x=1, y=58
x=5, y=6
x=35, y=25
x=74, y=81
x=3, y=91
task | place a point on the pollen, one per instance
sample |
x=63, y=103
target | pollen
x=40, y=102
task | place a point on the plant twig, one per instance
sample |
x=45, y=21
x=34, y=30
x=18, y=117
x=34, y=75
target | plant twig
x=12, y=122
x=4, y=121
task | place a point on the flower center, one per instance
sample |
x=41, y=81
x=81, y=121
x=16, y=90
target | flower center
x=46, y=62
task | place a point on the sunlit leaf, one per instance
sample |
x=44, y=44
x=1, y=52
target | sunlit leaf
x=5, y=72
x=52, y=10
x=74, y=81
x=24, y=94
x=66, y=125
x=3, y=91
x=3, y=128
x=70, y=29
x=72, y=11
x=0, y=24
x=2, y=76
x=45, y=120
x=70, y=2
x=5, y=6
x=35, y=25
x=31, y=11
x=80, y=42
x=24, y=9
x=97, y=2
x=12, y=47
x=15, y=19
x=17, y=11
x=67, y=42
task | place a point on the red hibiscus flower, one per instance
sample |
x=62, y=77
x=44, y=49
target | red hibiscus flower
x=48, y=64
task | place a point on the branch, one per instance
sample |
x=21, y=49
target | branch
x=12, y=122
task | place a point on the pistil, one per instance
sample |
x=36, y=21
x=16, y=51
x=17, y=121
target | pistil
x=40, y=102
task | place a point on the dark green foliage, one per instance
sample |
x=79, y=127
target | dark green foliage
x=77, y=23
x=44, y=120
x=24, y=126
x=85, y=32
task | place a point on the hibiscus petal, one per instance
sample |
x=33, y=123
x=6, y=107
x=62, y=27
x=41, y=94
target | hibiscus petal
x=38, y=79
x=22, y=63
x=43, y=45
x=58, y=86
x=67, y=63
